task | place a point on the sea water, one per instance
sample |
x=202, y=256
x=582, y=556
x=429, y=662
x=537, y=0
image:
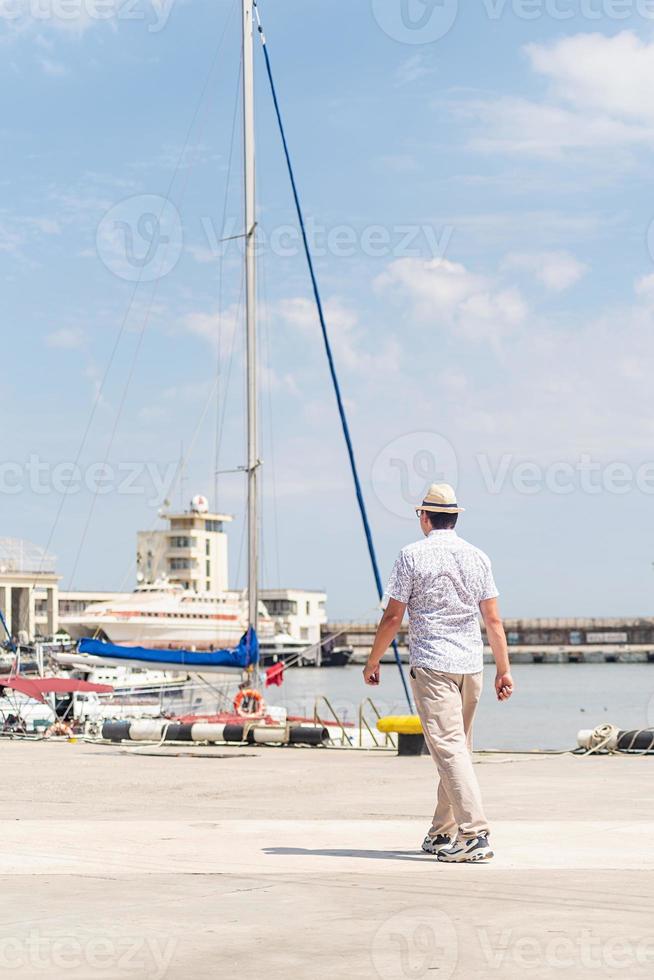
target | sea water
x=551, y=701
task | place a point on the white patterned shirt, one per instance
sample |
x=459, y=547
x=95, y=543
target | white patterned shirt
x=442, y=579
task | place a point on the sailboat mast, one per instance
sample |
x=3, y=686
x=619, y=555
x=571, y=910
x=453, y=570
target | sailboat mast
x=250, y=310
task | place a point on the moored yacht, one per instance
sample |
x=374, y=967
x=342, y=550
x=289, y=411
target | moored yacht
x=166, y=615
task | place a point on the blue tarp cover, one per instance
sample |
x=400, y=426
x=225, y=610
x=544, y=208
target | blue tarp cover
x=245, y=654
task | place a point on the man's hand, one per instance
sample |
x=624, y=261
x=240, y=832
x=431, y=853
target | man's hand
x=386, y=633
x=504, y=686
x=371, y=673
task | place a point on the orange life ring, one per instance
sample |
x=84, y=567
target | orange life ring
x=248, y=702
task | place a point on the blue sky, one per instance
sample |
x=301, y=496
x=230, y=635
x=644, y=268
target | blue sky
x=480, y=207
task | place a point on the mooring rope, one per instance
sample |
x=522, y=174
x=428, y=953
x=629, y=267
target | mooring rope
x=606, y=738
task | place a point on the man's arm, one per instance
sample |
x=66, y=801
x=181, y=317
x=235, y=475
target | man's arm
x=386, y=633
x=497, y=639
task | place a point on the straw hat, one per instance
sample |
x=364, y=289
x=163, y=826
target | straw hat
x=440, y=499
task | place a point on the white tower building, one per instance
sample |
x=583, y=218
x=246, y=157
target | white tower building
x=191, y=551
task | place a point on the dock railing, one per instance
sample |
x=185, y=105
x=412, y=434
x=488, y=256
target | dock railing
x=388, y=740
x=348, y=735
x=345, y=739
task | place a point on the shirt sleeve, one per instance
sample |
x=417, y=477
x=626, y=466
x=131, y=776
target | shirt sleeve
x=488, y=588
x=400, y=584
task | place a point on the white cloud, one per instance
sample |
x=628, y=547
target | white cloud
x=519, y=126
x=67, y=338
x=556, y=270
x=441, y=292
x=413, y=69
x=354, y=348
x=53, y=68
x=216, y=329
x=10, y=239
x=644, y=286
x=598, y=96
x=613, y=76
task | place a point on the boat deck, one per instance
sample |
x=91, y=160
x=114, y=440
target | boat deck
x=304, y=863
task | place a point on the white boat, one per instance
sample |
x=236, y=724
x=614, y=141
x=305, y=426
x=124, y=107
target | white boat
x=123, y=679
x=164, y=615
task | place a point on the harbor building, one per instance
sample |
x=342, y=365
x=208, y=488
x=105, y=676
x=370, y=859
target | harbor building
x=28, y=589
x=191, y=551
x=300, y=613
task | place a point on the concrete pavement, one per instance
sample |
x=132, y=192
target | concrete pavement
x=305, y=863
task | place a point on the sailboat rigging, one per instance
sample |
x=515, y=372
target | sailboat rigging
x=249, y=643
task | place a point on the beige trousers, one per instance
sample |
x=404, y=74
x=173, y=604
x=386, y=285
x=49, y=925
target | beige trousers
x=446, y=704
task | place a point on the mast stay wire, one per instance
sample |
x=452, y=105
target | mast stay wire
x=221, y=264
x=137, y=284
x=172, y=486
x=272, y=468
x=327, y=344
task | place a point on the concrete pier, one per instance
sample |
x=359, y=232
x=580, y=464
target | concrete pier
x=305, y=863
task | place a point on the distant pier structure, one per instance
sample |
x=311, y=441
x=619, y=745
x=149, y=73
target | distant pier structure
x=540, y=641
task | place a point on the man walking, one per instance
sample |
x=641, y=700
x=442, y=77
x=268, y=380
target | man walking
x=446, y=583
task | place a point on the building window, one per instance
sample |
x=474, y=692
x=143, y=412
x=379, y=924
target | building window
x=304, y=632
x=213, y=526
x=207, y=547
x=281, y=607
x=208, y=569
x=308, y=608
x=207, y=589
x=181, y=523
x=180, y=542
x=180, y=564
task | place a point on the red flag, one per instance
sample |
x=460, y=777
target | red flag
x=275, y=675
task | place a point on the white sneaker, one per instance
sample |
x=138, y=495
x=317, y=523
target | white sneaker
x=473, y=850
x=432, y=845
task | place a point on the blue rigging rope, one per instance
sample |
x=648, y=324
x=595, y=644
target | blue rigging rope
x=328, y=349
x=10, y=641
